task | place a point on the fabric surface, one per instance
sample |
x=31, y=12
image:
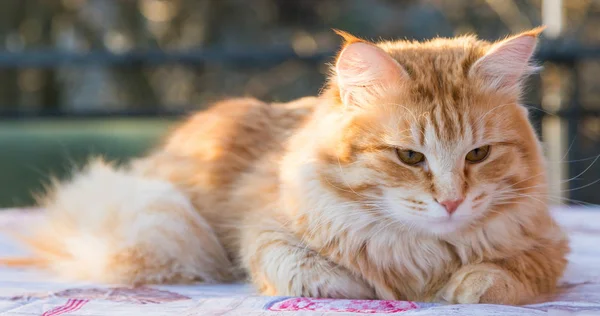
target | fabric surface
x=25, y=292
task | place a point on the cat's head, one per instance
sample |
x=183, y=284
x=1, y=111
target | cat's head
x=430, y=134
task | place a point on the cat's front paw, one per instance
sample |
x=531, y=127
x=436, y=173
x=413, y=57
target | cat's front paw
x=482, y=283
x=324, y=280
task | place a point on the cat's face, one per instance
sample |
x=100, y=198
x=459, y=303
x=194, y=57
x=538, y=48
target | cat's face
x=439, y=142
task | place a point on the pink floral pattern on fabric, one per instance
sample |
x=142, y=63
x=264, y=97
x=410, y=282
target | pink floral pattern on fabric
x=347, y=306
x=70, y=306
x=136, y=295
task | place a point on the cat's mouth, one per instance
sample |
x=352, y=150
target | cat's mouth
x=443, y=217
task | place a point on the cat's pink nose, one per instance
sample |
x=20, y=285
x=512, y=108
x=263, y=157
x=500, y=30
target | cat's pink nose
x=451, y=205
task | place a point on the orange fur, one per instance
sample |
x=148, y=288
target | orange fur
x=309, y=198
x=23, y=262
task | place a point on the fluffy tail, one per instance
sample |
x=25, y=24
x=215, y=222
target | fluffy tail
x=108, y=224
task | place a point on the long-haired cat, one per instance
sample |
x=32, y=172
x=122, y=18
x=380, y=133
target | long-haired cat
x=416, y=175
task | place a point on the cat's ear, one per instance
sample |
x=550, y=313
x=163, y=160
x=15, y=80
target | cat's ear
x=507, y=62
x=364, y=71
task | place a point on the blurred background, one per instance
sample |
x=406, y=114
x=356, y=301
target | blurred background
x=83, y=77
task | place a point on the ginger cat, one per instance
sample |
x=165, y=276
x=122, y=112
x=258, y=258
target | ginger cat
x=416, y=175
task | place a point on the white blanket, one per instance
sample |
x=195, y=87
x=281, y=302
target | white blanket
x=36, y=293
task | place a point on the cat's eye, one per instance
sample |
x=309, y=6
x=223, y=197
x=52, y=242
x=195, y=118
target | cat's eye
x=478, y=154
x=410, y=157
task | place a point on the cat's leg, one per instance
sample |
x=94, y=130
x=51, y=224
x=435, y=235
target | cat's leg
x=112, y=225
x=516, y=280
x=280, y=265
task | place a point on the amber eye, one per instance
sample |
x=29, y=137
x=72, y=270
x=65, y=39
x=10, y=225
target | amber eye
x=478, y=154
x=410, y=157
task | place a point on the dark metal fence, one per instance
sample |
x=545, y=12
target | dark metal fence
x=572, y=111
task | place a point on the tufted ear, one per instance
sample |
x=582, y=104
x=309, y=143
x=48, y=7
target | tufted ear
x=364, y=71
x=507, y=62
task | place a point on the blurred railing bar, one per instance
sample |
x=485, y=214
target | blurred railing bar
x=51, y=59
x=153, y=111
x=572, y=113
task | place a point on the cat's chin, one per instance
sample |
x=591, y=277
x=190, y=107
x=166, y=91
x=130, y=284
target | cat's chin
x=440, y=226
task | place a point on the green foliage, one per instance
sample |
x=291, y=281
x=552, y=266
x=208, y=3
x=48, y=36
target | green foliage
x=33, y=151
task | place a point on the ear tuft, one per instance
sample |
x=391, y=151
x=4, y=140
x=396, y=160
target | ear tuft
x=348, y=38
x=507, y=62
x=535, y=32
